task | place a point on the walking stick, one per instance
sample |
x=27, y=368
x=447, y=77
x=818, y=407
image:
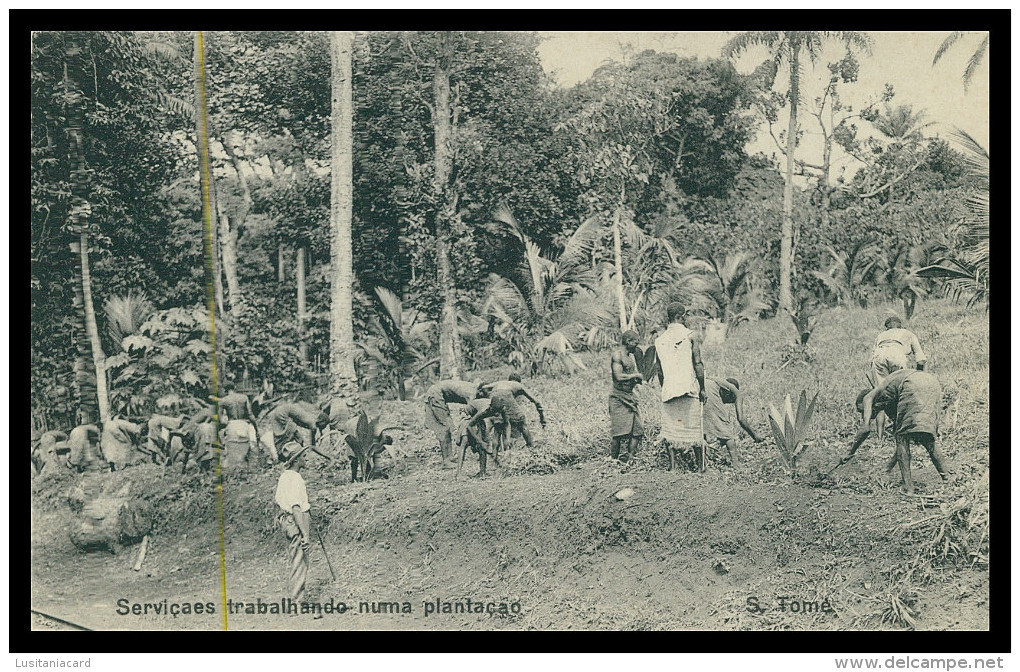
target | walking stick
x=324, y=553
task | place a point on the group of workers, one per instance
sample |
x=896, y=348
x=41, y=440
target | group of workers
x=173, y=437
x=697, y=412
x=704, y=412
x=493, y=417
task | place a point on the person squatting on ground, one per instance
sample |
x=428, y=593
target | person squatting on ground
x=724, y=411
x=913, y=399
x=478, y=439
x=295, y=518
x=508, y=417
x=437, y=410
x=203, y=443
x=682, y=380
x=625, y=427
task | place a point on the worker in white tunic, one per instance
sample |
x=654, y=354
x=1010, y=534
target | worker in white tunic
x=682, y=380
x=892, y=347
x=295, y=519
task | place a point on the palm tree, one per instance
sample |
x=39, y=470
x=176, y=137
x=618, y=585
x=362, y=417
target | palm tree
x=967, y=269
x=975, y=60
x=540, y=314
x=736, y=297
x=125, y=315
x=446, y=206
x=343, y=379
x=849, y=271
x=901, y=124
x=903, y=127
x=789, y=47
x=651, y=261
x=78, y=227
x=898, y=272
x=400, y=340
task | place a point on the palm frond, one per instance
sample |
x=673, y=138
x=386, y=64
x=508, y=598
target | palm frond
x=749, y=39
x=392, y=304
x=506, y=302
x=974, y=154
x=854, y=39
x=125, y=315
x=947, y=43
x=973, y=62
x=577, y=250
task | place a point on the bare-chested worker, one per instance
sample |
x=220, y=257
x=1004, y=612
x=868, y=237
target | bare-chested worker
x=477, y=438
x=240, y=434
x=625, y=427
x=507, y=416
x=437, y=410
x=283, y=422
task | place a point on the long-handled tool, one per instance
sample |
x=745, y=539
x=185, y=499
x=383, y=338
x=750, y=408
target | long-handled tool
x=324, y=553
x=460, y=465
x=701, y=437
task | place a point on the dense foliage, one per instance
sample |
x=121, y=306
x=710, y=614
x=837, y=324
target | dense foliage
x=539, y=173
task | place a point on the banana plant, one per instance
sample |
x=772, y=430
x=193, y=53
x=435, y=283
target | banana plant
x=790, y=429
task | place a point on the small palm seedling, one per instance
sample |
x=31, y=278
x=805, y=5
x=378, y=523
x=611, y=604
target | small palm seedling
x=367, y=442
x=790, y=429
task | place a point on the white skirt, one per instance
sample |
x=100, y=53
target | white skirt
x=681, y=420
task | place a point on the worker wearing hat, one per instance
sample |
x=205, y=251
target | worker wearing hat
x=294, y=519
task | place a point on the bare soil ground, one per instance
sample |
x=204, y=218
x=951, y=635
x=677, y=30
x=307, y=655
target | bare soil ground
x=545, y=535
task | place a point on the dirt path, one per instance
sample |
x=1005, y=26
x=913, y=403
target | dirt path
x=686, y=551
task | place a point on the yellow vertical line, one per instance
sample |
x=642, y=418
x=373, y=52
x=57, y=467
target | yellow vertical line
x=203, y=153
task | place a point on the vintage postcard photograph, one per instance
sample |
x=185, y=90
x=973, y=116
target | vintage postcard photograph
x=508, y=330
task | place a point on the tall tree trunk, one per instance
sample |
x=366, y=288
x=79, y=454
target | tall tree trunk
x=229, y=234
x=281, y=264
x=228, y=255
x=98, y=357
x=618, y=260
x=90, y=381
x=202, y=139
x=826, y=169
x=214, y=285
x=449, y=362
x=343, y=380
x=302, y=346
x=786, y=241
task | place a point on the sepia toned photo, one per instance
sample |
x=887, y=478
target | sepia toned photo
x=504, y=330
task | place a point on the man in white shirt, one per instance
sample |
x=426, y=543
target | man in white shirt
x=295, y=519
x=892, y=347
x=682, y=380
